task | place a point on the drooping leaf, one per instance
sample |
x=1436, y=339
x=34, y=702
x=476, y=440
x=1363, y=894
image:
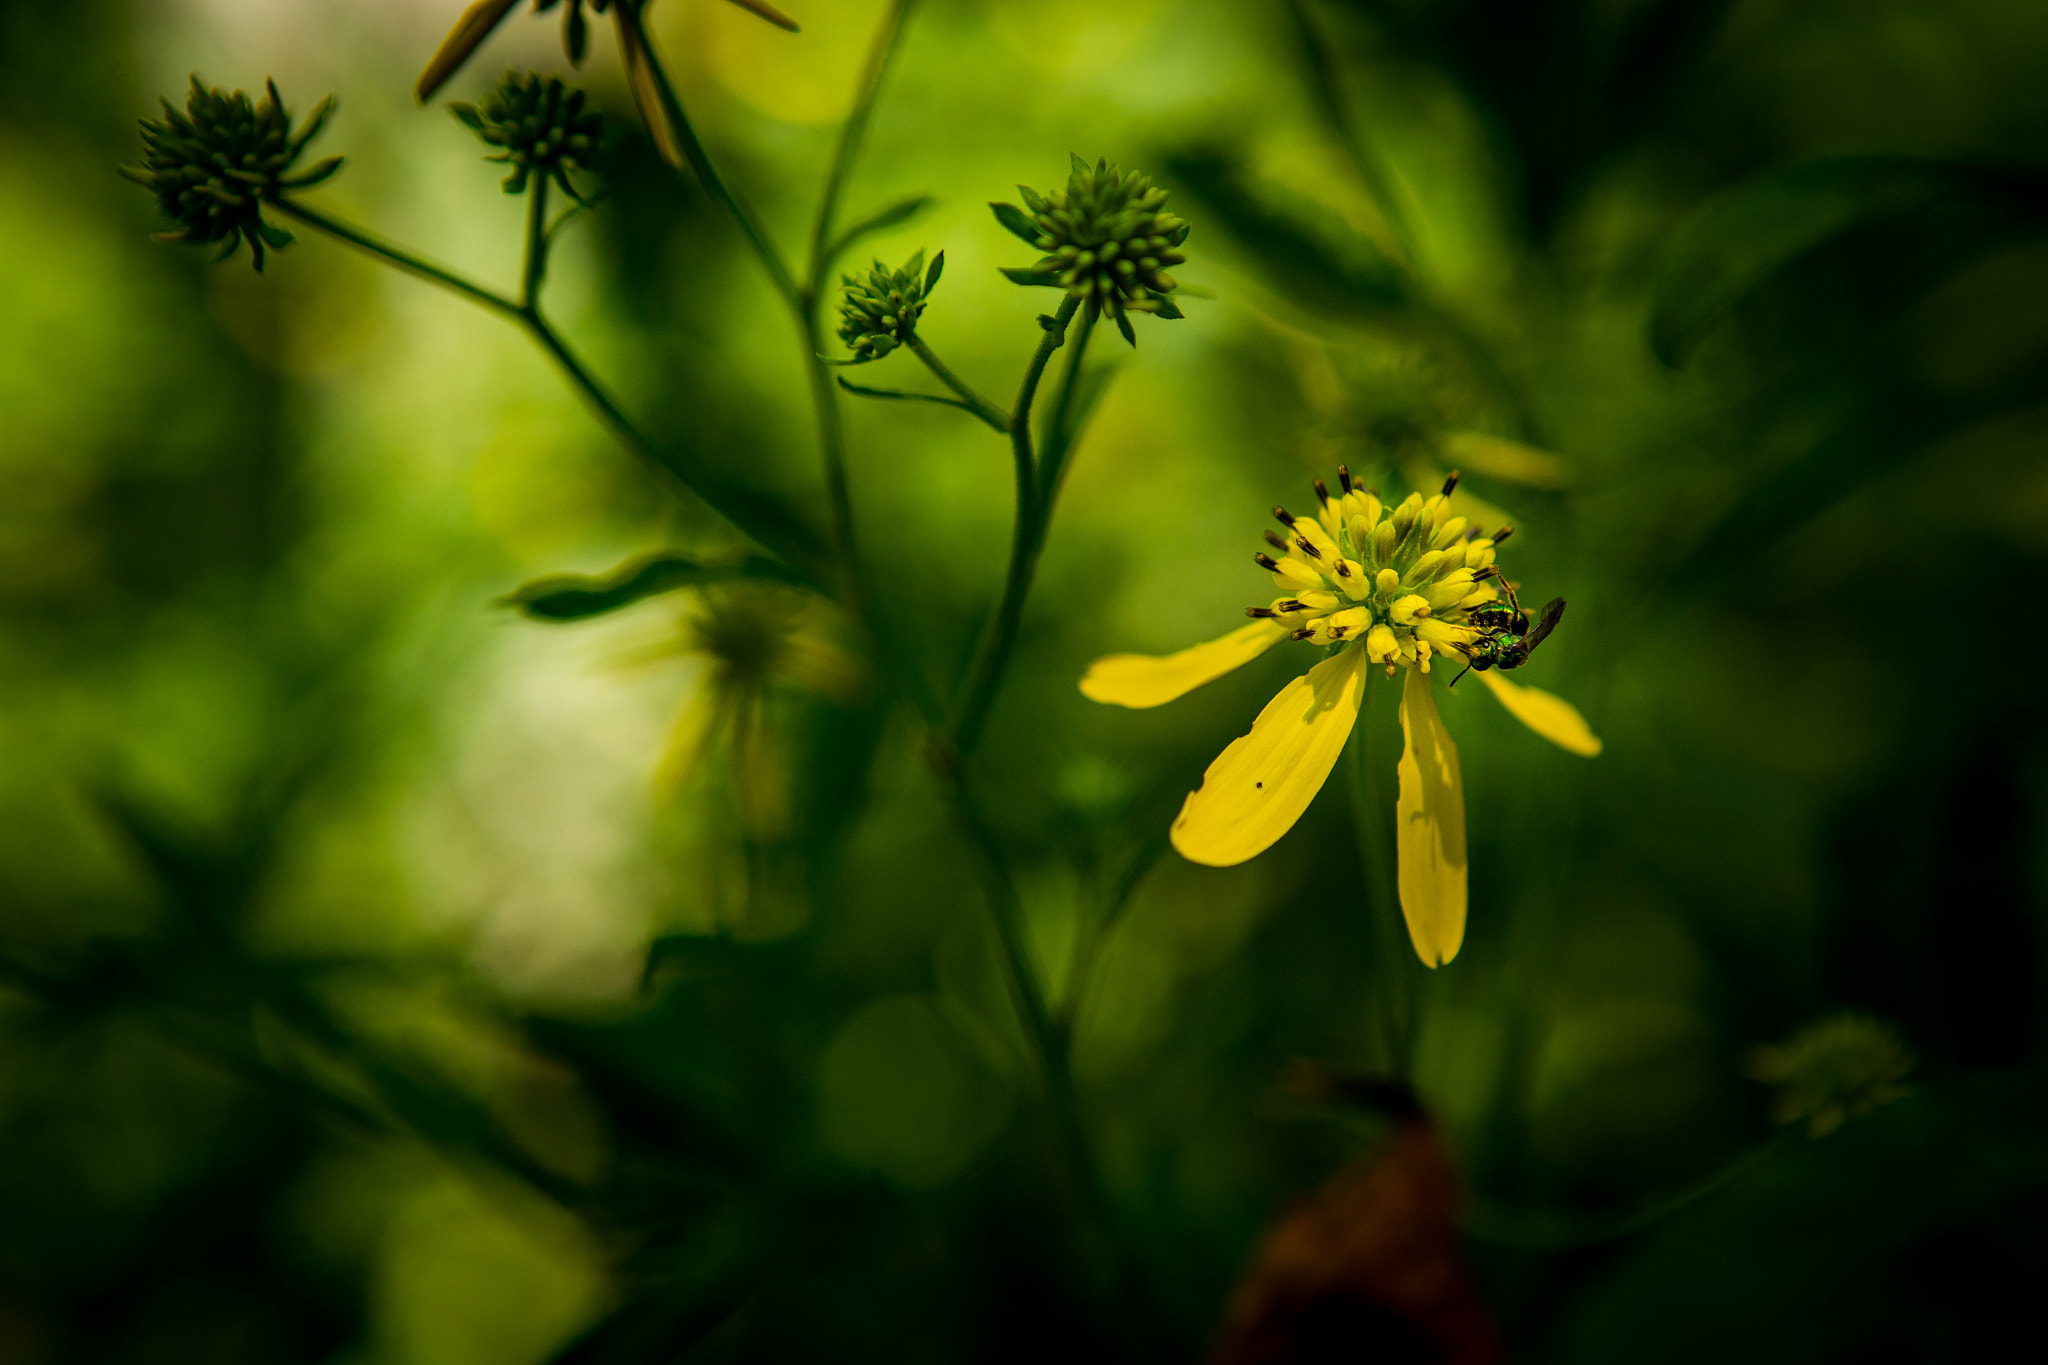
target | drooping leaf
x=577, y=597
x=1017, y=274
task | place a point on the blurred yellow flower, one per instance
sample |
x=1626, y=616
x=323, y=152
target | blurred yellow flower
x=1397, y=587
x=757, y=640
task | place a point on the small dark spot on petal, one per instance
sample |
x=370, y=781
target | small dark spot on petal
x=1258, y=784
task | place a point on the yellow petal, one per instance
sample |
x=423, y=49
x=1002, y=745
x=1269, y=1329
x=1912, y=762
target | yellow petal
x=689, y=737
x=1430, y=828
x=470, y=30
x=770, y=13
x=1141, y=680
x=1552, y=717
x=640, y=76
x=1259, y=786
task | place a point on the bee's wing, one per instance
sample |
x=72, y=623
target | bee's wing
x=1553, y=612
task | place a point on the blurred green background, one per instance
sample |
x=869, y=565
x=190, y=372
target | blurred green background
x=362, y=997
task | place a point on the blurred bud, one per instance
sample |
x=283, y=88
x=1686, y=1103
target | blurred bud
x=541, y=124
x=881, y=308
x=1108, y=239
x=214, y=165
x=477, y=23
x=1834, y=1069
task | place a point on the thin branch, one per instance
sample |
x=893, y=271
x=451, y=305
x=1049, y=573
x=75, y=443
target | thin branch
x=969, y=399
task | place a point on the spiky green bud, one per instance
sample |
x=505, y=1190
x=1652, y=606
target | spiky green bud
x=881, y=308
x=213, y=166
x=1108, y=240
x=542, y=126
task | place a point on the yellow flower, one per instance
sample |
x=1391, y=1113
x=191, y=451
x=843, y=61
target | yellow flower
x=757, y=640
x=483, y=17
x=1393, y=587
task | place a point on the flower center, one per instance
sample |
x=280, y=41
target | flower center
x=1402, y=581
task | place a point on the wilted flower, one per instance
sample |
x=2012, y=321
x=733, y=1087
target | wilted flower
x=541, y=123
x=881, y=308
x=214, y=165
x=1396, y=587
x=483, y=16
x=1834, y=1069
x=757, y=639
x=1108, y=239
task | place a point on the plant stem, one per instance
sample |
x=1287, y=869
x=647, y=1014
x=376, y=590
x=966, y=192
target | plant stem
x=851, y=134
x=1394, y=1000
x=975, y=403
x=394, y=255
x=758, y=519
x=700, y=161
x=536, y=265
x=993, y=654
x=1059, y=441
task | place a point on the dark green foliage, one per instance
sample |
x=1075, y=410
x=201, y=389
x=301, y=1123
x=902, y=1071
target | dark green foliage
x=1108, y=239
x=880, y=309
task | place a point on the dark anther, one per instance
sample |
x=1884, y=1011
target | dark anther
x=1373, y=491
x=1490, y=571
x=1311, y=551
x=1337, y=632
x=1343, y=569
x=1290, y=606
x=1259, y=613
x=1344, y=477
x=1303, y=633
x=1502, y=534
x=1450, y=483
x=1265, y=561
x=1273, y=539
x=1473, y=533
x=1284, y=517
x=1322, y=493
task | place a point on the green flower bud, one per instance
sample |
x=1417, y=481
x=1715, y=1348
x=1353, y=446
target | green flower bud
x=1108, y=240
x=1834, y=1069
x=213, y=166
x=542, y=127
x=880, y=309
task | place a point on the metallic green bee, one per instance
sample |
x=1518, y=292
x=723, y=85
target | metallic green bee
x=1507, y=640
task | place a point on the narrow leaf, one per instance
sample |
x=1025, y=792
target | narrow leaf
x=1026, y=275
x=896, y=214
x=577, y=597
x=1017, y=221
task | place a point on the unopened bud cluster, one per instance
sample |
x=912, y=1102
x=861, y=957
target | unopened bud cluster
x=213, y=165
x=880, y=308
x=542, y=125
x=1108, y=238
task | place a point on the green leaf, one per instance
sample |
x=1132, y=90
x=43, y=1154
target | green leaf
x=274, y=236
x=576, y=597
x=1163, y=306
x=1017, y=221
x=1748, y=232
x=896, y=214
x=1308, y=265
x=931, y=277
x=1080, y=167
x=1027, y=275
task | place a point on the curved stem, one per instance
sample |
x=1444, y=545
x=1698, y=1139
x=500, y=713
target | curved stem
x=972, y=401
x=993, y=654
x=394, y=255
x=758, y=518
x=700, y=160
x=1059, y=435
